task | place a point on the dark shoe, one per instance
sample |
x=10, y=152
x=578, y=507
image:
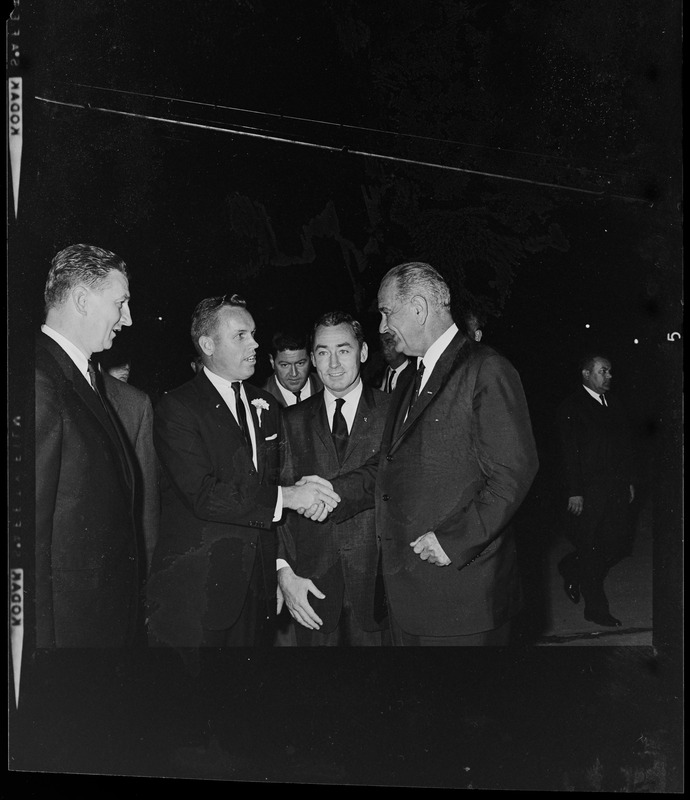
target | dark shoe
x=602, y=618
x=572, y=590
x=571, y=585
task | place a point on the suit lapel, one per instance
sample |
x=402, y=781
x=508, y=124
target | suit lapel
x=457, y=351
x=218, y=408
x=360, y=423
x=322, y=429
x=84, y=390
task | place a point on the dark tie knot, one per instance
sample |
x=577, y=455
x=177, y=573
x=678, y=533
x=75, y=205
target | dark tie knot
x=340, y=432
x=298, y=396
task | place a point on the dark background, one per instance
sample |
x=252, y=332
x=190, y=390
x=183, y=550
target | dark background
x=557, y=204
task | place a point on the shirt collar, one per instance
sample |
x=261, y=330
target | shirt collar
x=223, y=385
x=436, y=350
x=351, y=397
x=289, y=395
x=79, y=359
x=595, y=395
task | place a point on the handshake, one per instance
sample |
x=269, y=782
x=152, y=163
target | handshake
x=312, y=497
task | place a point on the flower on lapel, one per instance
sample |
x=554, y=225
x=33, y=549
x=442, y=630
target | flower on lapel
x=260, y=405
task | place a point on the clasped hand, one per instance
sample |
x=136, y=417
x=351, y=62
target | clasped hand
x=317, y=498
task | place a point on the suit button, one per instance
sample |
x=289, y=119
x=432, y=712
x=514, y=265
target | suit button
x=385, y=497
x=252, y=472
x=389, y=458
x=252, y=544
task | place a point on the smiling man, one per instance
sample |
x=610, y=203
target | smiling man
x=328, y=573
x=87, y=557
x=291, y=381
x=212, y=581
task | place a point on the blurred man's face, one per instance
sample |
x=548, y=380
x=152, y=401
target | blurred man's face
x=338, y=357
x=599, y=377
x=291, y=368
x=390, y=354
x=121, y=372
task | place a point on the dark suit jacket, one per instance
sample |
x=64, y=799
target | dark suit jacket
x=333, y=555
x=596, y=457
x=87, y=586
x=135, y=411
x=217, y=511
x=459, y=466
x=271, y=386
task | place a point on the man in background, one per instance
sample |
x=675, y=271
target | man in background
x=87, y=554
x=597, y=461
x=134, y=410
x=291, y=381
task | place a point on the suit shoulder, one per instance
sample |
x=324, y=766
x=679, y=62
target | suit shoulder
x=381, y=399
x=259, y=393
x=128, y=393
x=305, y=408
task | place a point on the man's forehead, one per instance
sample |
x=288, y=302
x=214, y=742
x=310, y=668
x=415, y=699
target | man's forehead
x=238, y=318
x=291, y=355
x=602, y=363
x=342, y=334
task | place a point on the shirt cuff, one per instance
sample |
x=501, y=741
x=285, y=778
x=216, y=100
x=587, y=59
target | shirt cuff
x=280, y=563
x=278, y=512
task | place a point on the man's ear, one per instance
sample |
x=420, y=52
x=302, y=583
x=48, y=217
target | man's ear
x=207, y=345
x=364, y=352
x=270, y=358
x=80, y=299
x=420, y=307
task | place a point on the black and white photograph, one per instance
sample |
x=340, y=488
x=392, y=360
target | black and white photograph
x=350, y=325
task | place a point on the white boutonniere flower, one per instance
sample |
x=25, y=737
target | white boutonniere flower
x=260, y=405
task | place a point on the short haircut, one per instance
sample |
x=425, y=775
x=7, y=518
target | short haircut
x=416, y=277
x=587, y=360
x=333, y=318
x=205, y=316
x=79, y=264
x=288, y=340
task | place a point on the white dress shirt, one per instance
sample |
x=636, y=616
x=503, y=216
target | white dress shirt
x=289, y=396
x=349, y=407
x=435, y=352
x=395, y=372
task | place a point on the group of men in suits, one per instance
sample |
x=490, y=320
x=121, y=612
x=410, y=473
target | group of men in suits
x=374, y=516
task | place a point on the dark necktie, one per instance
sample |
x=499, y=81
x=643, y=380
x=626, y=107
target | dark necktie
x=389, y=380
x=603, y=401
x=94, y=378
x=242, y=414
x=297, y=396
x=417, y=386
x=339, y=434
